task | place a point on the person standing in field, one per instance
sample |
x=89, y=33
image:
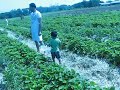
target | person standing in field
x=36, y=30
x=6, y=21
x=54, y=43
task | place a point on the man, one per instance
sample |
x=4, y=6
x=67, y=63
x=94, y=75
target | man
x=36, y=30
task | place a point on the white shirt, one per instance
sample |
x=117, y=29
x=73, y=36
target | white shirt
x=34, y=19
x=35, y=24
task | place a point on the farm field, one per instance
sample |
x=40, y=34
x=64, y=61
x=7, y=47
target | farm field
x=28, y=70
x=96, y=35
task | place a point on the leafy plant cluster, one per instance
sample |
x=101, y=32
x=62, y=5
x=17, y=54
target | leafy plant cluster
x=96, y=35
x=28, y=70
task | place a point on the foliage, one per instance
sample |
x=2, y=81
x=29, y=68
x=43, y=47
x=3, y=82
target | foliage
x=28, y=70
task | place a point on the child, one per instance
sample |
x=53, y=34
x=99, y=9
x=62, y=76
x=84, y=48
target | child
x=55, y=44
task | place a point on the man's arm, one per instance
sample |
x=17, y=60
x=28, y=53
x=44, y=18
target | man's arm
x=40, y=26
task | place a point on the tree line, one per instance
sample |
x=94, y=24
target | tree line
x=25, y=11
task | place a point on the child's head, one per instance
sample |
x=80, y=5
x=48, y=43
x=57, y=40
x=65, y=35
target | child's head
x=54, y=34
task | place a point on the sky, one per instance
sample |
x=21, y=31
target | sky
x=7, y=5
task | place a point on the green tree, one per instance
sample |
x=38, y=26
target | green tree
x=94, y=3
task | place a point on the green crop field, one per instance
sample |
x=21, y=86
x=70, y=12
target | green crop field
x=95, y=34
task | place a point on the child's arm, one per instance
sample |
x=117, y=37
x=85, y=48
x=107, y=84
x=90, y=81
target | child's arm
x=59, y=44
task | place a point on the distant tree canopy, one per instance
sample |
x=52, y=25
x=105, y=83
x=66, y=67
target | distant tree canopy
x=14, y=13
x=24, y=12
x=93, y=3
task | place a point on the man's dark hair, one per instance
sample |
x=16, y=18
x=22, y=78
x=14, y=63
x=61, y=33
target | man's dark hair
x=54, y=34
x=32, y=5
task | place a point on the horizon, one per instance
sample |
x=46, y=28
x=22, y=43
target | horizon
x=25, y=4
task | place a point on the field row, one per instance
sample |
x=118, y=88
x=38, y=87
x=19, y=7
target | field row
x=96, y=35
x=28, y=70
